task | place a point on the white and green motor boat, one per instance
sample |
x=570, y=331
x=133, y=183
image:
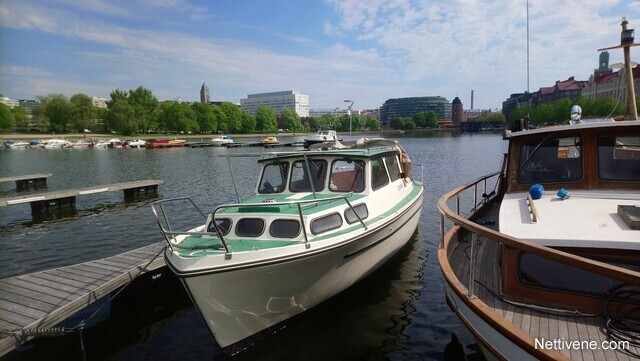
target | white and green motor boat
x=319, y=221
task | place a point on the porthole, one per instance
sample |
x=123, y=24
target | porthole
x=250, y=227
x=326, y=223
x=224, y=224
x=361, y=210
x=284, y=228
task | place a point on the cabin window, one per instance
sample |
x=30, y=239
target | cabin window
x=361, y=210
x=347, y=176
x=379, y=177
x=536, y=271
x=550, y=160
x=274, y=177
x=393, y=166
x=326, y=223
x=619, y=158
x=284, y=228
x=300, y=180
x=250, y=227
x=224, y=224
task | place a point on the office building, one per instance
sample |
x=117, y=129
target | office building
x=278, y=101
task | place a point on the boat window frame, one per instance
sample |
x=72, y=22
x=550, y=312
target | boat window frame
x=280, y=188
x=312, y=226
x=306, y=180
x=551, y=160
x=363, y=176
x=238, y=223
x=271, y=233
x=354, y=218
x=395, y=175
x=615, y=170
x=213, y=229
x=375, y=185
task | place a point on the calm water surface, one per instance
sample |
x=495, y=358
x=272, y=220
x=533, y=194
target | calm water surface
x=398, y=313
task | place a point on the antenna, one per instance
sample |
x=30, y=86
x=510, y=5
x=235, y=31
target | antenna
x=528, y=91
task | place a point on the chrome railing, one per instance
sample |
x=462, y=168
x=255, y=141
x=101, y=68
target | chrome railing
x=169, y=234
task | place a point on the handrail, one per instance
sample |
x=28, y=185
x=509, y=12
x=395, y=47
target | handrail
x=611, y=271
x=169, y=233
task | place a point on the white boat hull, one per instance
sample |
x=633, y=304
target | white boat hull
x=239, y=304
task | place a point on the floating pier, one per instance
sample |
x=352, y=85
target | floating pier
x=56, y=200
x=32, y=303
x=24, y=182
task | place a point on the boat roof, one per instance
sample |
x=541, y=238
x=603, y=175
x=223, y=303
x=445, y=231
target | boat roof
x=364, y=147
x=585, y=124
x=588, y=219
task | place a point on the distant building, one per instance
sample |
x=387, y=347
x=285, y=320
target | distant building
x=288, y=99
x=603, y=66
x=408, y=107
x=29, y=104
x=205, y=95
x=456, y=112
x=373, y=113
x=611, y=85
x=11, y=103
x=565, y=89
x=317, y=113
x=99, y=102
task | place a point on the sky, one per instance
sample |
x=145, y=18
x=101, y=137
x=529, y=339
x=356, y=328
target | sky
x=367, y=51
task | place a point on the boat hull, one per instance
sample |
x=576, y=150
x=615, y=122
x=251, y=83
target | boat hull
x=241, y=306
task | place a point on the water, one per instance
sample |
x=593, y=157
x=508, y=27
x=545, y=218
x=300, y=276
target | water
x=397, y=313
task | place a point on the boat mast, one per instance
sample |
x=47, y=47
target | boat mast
x=631, y=93
x=626, y=42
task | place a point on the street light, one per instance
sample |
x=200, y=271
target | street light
x=350, y=105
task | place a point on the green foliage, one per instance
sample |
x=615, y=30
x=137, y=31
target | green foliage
x=291, y=121
x=372, y=124
x=560, y=111
x=205, y=117
x=53, y=111
x=432, y=119
x=145, y=108
x=20, y=117
x=266, y=120
x=82, y=112
x=248, y=123
x=121, y=117
x=232, y=118
x=327, y=121
x=6, y=117
x=492, y=117
x=420, y=119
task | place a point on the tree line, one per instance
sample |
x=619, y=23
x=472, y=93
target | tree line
x=139, y=111
x=560, y=111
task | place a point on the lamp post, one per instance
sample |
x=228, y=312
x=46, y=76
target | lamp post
x=350, y=105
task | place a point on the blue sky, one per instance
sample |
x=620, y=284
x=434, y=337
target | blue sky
x=364, y=50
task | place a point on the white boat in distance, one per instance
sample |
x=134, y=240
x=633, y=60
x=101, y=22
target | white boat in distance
x=56, y=144
x=222, y=139
x=321, y=136
x=319, y=222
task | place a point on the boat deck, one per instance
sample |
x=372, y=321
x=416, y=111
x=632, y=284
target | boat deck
x=547, y=325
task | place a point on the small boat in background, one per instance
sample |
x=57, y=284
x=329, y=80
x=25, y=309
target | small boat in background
x=15, y=145
x=136, y=143
x=222, y=139
x=34, y=144
x=56, y=144
x=269, y=140
x=80, y=144
x=165, y=143
x=321, y=136
x=115, y=143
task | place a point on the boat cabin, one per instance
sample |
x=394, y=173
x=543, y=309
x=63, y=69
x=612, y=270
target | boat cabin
x=598, y=167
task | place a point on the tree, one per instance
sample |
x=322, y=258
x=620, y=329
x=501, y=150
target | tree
x=6, y=117
x=232, y=117
x=205, y=117
x=431, y=119
x=82, y=111
x=397, y=123
x=20, y=117
x=492, y=117
x=291, y=120
x=372, y=123
x=266, y=120
x=420, y=119
x=53, y=110
x=248, y=123
x=121, y=117
x=145, y=108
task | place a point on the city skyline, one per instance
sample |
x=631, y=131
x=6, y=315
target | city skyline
x=368, y=51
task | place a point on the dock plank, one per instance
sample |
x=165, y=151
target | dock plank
x=43, y=299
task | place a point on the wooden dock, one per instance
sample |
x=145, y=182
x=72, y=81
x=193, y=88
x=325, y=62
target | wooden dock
x=26, y=181
x=43, y=202
x=43, y=299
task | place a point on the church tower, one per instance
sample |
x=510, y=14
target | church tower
x=205, y=96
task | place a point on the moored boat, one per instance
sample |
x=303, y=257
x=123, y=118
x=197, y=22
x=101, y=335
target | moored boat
x=165, y=143
x=321, y=136
x=547, y=268
x=221, y=139
x=269, y=140
x=135, y=143
x=318, y=222
x=56, y=144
